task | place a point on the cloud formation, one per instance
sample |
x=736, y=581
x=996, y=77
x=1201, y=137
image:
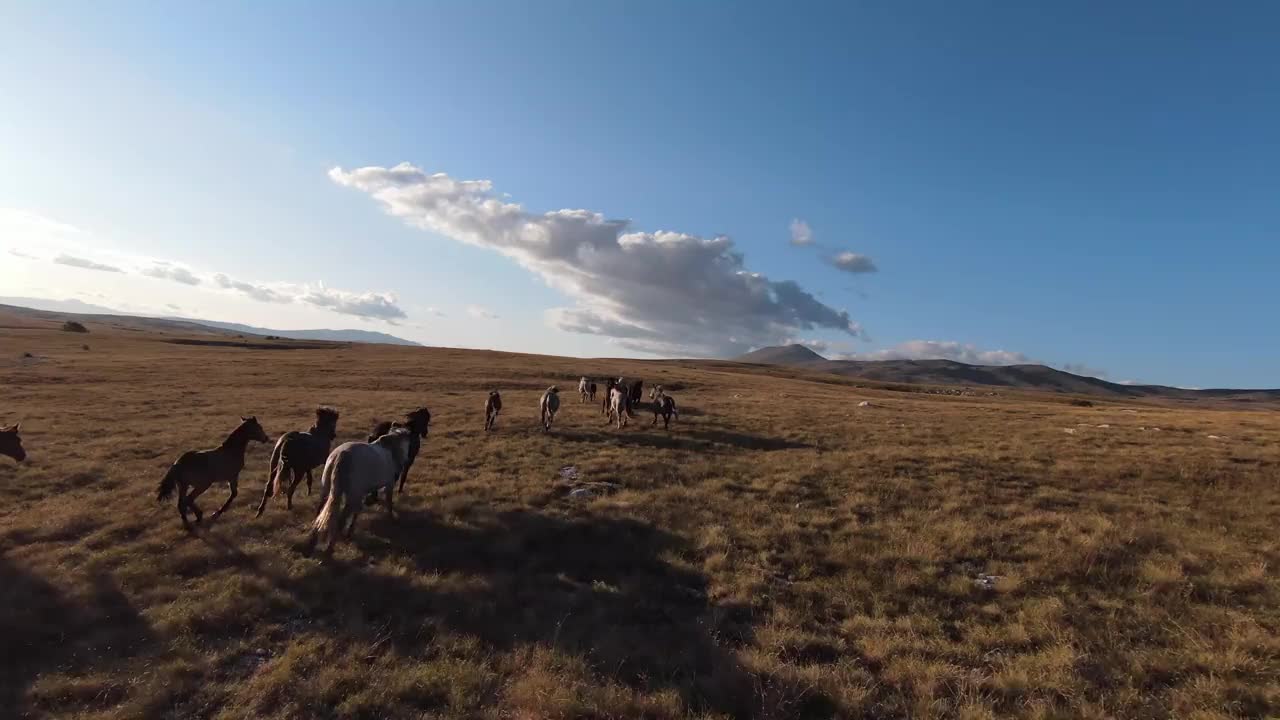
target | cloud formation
x=655, y=292
x=79, y=262
x=480, y=313
x=852, y=262
x=261, y=293
x=943, y=350
x=801, y=233
x=370, y=305
x=169, y=271
x=18, y=253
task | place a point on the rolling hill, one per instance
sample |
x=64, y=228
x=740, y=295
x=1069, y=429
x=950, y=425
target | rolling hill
x=1020, y=377
x=51, y=309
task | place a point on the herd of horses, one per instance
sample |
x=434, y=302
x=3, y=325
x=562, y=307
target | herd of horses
x=354, y=473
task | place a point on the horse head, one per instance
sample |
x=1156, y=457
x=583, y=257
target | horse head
x=419, y=421
x=11, y=444
x=252, y=429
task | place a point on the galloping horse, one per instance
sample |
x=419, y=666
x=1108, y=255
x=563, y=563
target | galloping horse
x=664, y=405
x=11, y=444
x=549, y=406
x=584, y=389
x=492, y=407
x=353, y=471
x=195, y=470
x=618, y=405
x=299, y=453
x=418, y=423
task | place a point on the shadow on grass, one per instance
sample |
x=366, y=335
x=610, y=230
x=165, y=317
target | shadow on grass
x=43, y=628
x=677, y=438
x=606, y=590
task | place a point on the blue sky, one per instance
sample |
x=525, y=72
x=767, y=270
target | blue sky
x=1092, y=186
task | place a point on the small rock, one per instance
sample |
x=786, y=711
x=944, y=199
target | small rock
x=1069, y=431
x=864, y=403
x=580, y=493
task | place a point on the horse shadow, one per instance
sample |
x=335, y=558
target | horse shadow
x=43, y=628
x=610, y=591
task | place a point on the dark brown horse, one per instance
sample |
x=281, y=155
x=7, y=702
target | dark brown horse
x=195, y=470
x=419, y=422
x=11, y=444
x=298, y=453
x=492, y=407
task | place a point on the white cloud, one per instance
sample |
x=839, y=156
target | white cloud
x=169, y=271
x=480, y=313
x=656, y=292
x=801, y=233
x=261, y=293
x=369, y=305
x=79, y=262
x=942, y=350
x=852, y=262
x=18, y=253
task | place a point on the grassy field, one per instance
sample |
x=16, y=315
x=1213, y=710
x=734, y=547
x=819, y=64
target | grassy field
x=780, y=553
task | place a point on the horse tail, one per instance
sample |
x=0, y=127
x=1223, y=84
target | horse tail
x=325, y=524
x=273, y=477
x=170, y=480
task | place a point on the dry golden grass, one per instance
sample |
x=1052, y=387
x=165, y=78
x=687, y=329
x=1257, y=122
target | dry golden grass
x=780, y=553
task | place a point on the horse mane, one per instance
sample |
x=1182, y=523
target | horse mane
x=418, y=420
x=379, y=429
x=326, y=415
x=395, y=441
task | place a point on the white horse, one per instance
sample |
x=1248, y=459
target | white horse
x=354, y=470
x=618, y=405
x=584, y=389
x=549, y=406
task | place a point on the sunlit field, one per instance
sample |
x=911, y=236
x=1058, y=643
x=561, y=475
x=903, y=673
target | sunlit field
x=781, y=552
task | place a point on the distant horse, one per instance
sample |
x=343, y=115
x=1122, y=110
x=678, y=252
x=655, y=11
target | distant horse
x=584, y=389
x=591, y=391
x=549, y=406
x=664, y=405
x=492, y=407
x=195, y=470
x=637, y=392
x=299, y=453
x=11, y=444
x=418, y=423
x=609, y=385
x=353, y=471
x=618, y=405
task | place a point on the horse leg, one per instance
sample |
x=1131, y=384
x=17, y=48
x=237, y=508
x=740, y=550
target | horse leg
x=308, y=482
x=391, y=513
x=351, y=528
x=182, y=506
x=266, y=493
x=404, y=474
x=234, y=482
x=297, y=478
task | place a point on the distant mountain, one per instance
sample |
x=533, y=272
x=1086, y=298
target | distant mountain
x=76, y=307
x=360, y=336
x=63, y=306
x=782, y=355
x=949, y=372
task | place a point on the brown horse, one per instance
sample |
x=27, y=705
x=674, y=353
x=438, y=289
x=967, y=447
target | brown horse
x=11, y=444
x=492, y=407
x=419, y=422
x=298, y=453
x=195, y=470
